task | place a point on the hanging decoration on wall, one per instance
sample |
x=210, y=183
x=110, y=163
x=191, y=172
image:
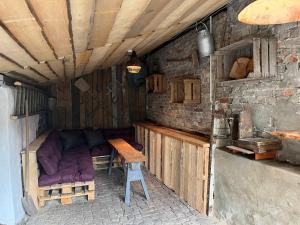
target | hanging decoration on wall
x=266, y=12
x=205, y=41
x=134, y=64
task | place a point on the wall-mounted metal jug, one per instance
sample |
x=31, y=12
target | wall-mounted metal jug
x=205, y=41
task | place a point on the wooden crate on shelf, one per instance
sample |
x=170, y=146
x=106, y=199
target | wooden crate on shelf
x=261, y=49
x=192, y=91
x=177, y=91
x=155, y=83
x=66, y=192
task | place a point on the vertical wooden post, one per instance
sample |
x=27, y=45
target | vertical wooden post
x=114, y=96
x=256, y=57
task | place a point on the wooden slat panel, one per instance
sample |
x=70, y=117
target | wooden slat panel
x=265, y=57
x=203, y=10
x=69, y=67
x=54, y=18
x=146, y=147
x=105, y=14
x=6, y=66
x=58, y=67
x=150, y=12
x=152, y=152
x=31, y=74
x=18, y=19
x=130, y=11
x=12, y=50
x=82, y=22
x=44, y=69
x=97, y=57
x=166, y=161
x=82, y=60
x=256, y=57
x=158, y=146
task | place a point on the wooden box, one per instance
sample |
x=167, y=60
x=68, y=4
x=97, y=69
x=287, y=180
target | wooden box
x=155, y=83
x=263, y=50
x=192, y=88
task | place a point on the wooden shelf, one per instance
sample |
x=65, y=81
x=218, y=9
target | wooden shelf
x=287, y=134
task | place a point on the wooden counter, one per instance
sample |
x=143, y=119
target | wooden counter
x=179, y=159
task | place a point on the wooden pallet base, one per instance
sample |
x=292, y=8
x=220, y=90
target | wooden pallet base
x=102, y=162
x=251, y=154
x=66, y=192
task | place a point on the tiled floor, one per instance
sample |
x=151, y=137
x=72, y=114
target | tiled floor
x=108, y=208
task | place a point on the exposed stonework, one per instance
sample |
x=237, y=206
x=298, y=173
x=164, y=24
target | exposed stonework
x=275, y=101
x=195, y=117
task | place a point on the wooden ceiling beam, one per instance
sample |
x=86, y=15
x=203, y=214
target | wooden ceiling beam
x=104, y=18
x=83, y=13
x=32, y=11
x=70, y=29
x=17, y=65
x=38, y=73
x=129, y=13
x=11, y=35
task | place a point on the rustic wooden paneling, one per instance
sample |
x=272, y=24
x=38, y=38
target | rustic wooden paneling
x=96, y=107
x=181, y=163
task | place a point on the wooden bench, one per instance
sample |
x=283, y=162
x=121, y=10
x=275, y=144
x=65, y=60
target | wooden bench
x=131, y=160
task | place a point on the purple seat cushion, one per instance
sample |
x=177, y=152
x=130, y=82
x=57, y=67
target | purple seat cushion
x=101, y=150
x=47, y=157
x=75, y=165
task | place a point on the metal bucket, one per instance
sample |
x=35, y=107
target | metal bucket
x=205, y=42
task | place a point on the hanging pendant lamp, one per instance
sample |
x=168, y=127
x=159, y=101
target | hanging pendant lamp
x=133, y=65
x=267, y=12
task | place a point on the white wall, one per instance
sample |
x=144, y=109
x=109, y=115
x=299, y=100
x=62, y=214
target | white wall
x=12, y=135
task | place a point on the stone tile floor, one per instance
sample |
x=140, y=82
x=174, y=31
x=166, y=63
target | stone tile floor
x=164, y=207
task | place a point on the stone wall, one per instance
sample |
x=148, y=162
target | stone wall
x=194, y=117
x=275, y=102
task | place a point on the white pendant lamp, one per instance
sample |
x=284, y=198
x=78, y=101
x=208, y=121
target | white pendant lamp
x=266, y=12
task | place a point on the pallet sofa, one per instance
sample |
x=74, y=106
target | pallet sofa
x=66, y=171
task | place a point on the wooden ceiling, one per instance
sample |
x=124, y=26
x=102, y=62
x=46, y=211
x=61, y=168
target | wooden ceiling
x=51, y=40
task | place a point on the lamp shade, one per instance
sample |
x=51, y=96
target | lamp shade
x=266, y=12
x=133, y=65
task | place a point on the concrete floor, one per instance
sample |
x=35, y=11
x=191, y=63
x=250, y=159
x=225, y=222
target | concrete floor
x=108, y=208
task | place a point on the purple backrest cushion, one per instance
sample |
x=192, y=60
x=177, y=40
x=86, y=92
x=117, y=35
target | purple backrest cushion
x=71, y=139
x=54, y=140
x=47, y=157
x=126, y=133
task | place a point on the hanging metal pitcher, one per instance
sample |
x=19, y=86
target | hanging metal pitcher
x=205, y=41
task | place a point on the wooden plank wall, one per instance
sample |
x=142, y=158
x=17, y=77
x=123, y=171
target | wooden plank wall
x=107, y=104
x=180, y=165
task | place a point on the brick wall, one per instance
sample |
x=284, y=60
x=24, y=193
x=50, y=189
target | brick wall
x=184, y=116
x=275, y=102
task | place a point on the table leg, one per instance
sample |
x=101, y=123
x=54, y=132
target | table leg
x=112, y=156
x=134, y=173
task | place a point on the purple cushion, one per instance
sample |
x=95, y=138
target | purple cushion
x=126, y=133
x=137, y=146
x=75, y=165
x=47, y=158
x=71, y=139
x=101, y=150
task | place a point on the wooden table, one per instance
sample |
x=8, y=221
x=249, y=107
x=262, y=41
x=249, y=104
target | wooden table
x=131, y=160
